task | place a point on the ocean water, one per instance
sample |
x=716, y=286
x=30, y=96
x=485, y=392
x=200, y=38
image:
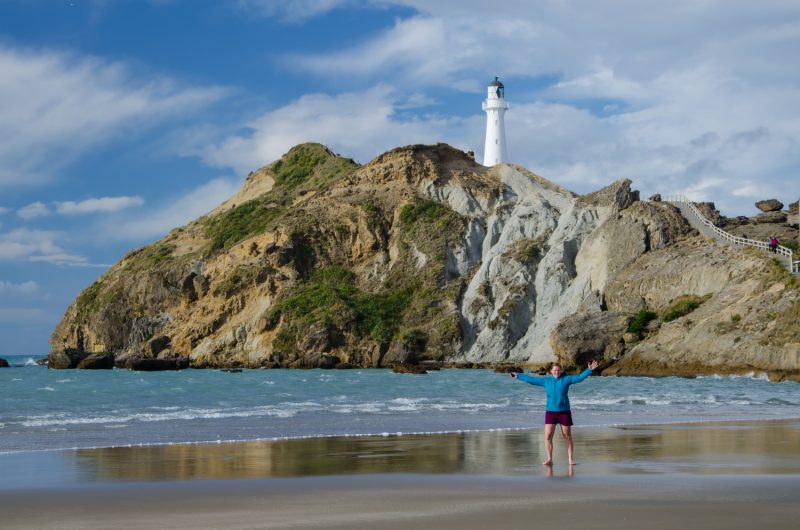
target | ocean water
x=43, y=409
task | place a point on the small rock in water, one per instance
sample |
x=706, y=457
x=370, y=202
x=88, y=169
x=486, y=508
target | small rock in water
x=231, y=370
x=3, y=363
x=401, y=368
x=508, y=368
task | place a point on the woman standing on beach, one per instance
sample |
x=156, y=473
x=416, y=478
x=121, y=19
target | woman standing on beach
x=557, y=410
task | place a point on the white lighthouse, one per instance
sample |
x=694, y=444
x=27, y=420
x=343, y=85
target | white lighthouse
x=494, y=151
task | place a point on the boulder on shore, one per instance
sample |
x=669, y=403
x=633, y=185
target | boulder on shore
x=770, y=205
x=403, y=368
x=66, y=359
x=581, y=337
x=97, y=361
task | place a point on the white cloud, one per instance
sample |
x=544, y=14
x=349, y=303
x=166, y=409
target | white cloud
x=37, y=245
x=33, y=210
x=356, y=124
x=15, y=289
x=178, y=212
x=681, y=96
x=3, y=210
x=56, y=105
x=103, y=204
x=292, y=10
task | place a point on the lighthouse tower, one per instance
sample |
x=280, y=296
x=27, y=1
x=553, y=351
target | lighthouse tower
x=494, y=151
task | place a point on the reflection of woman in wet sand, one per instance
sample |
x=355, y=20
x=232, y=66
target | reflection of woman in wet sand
x=557, y=410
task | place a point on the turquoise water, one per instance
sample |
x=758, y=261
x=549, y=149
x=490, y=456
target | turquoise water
x=43, y=409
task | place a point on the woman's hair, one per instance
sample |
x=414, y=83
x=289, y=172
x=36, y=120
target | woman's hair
x=556, y=364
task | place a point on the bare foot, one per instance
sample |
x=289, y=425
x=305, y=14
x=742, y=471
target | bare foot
x=572, y=462
x=547, y=463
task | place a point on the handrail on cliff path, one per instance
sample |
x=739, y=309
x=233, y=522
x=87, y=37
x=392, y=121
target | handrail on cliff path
x=793, y=265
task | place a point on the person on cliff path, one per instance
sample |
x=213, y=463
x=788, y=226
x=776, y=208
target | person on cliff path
x=557, y=411
x=773, y=244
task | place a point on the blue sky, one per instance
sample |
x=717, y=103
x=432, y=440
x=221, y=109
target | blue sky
x=122, y=119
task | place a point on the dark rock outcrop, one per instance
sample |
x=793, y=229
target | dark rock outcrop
x=508, y=368
x=617, y=194
x=97, y=361
x=317, y=338
x=158, y=344
x=317, y=360
x=141, y=364
x=66, y=359
x=774, y=217
x=399, y=353
x=404, y=368
x=793, y=207
x=709, y=210
x=770, y=205
x=655, y=198
x=3, y=363
x=579, y=338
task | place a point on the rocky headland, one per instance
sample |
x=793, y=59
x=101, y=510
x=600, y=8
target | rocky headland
x=423, y=257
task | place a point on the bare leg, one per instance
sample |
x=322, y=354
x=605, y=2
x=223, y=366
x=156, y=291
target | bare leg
x=549, y=431
x=566, y=432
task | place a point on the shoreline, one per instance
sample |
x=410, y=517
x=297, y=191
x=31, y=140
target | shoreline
x=727, y=447
x=356, y=436
x=724, y=474
x=775, y=376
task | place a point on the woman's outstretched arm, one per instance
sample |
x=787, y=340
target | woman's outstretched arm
x=573, y=379
x=530, y=379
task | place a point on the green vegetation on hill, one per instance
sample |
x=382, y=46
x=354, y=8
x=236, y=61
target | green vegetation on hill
x=329, y=296
x=640, y=321
x=682, y=306
x=423, y=210
x=239, y=279
x=306, y=167
x=414, y=304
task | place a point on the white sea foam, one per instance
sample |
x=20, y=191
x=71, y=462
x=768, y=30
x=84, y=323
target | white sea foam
x=186, y=414
x=124, y=407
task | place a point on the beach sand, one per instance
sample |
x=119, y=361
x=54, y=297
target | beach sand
x=719, y=475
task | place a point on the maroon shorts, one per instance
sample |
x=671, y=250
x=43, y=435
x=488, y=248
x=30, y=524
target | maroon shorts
x=562, y=418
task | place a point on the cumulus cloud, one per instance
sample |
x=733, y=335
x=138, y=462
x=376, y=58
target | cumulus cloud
x=103, y=204
x=292, y=10
x=175, y=213
x=56, y=105
x=356, y=124
x=690, y=97
x=33, y=210
x=38, y=246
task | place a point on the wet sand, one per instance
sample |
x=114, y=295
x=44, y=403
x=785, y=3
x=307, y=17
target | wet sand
x=724, y=475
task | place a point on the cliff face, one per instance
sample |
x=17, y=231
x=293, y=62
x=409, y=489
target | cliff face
x=420, y=254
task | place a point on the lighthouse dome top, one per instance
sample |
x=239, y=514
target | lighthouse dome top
x=496, y=83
